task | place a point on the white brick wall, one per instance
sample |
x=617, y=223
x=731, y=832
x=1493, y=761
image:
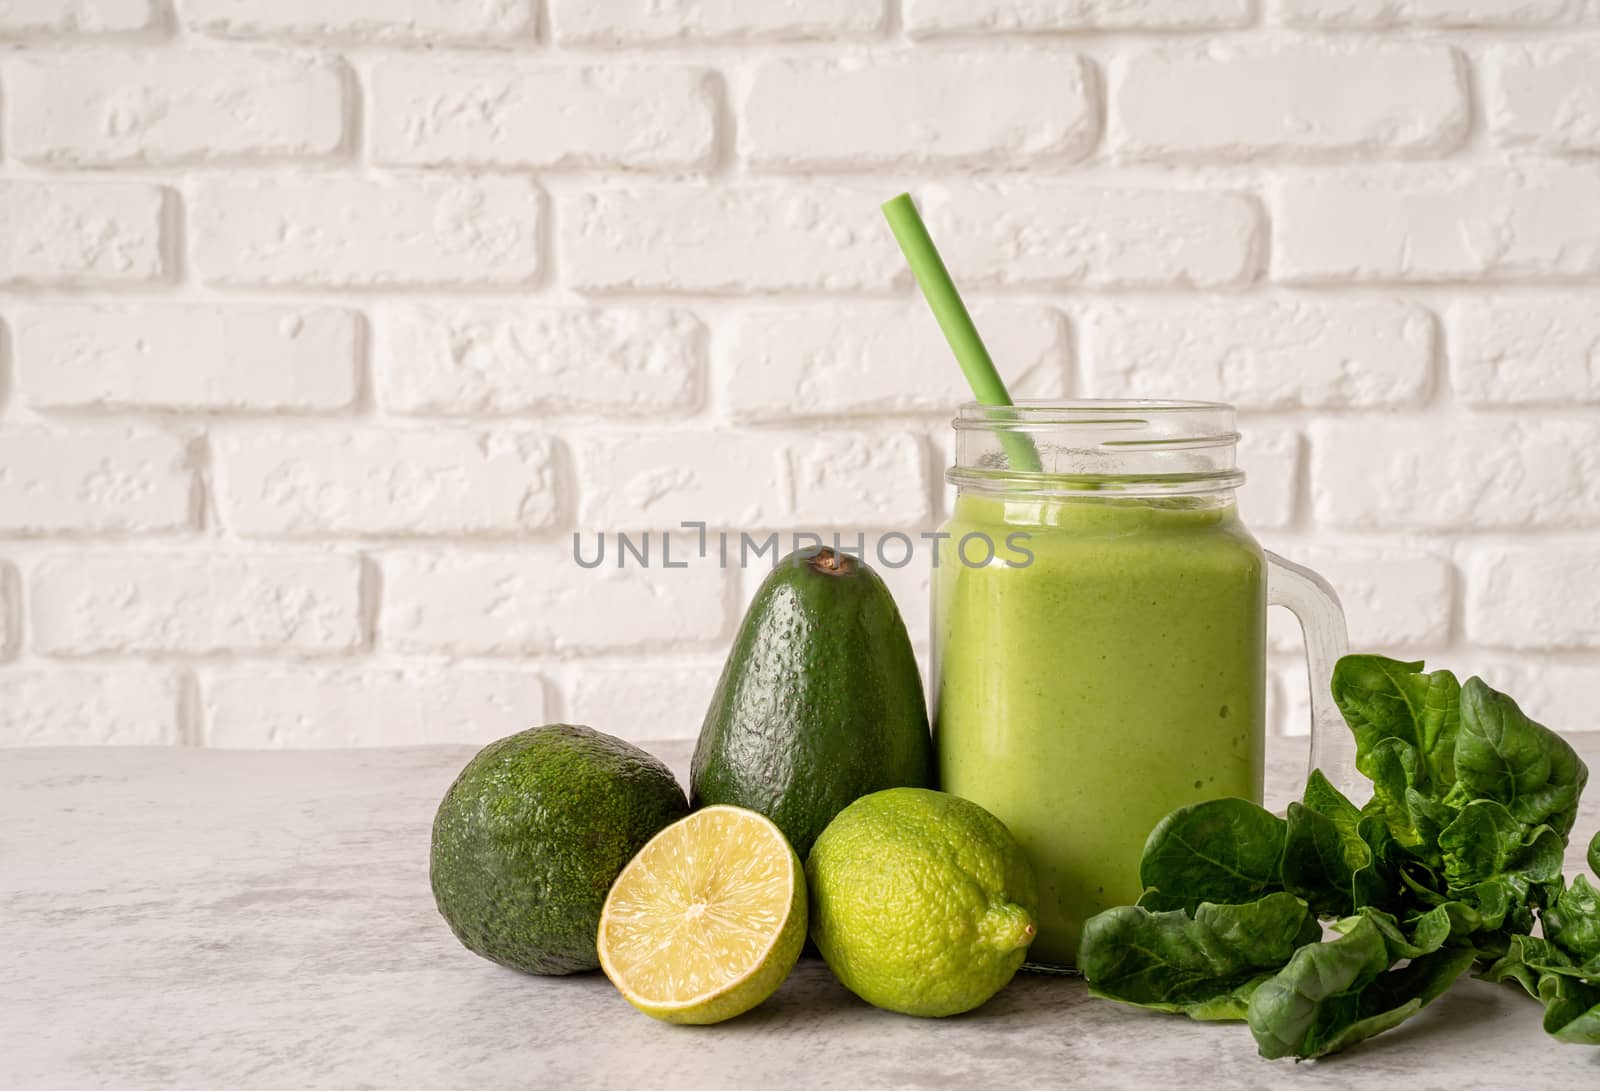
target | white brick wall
x=324, y=326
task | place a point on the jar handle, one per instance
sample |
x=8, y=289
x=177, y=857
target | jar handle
x=1316, y=605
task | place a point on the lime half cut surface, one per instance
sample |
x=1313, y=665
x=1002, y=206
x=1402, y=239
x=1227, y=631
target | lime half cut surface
x=707, y=920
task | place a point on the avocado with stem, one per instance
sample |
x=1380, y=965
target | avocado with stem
x=819, y=703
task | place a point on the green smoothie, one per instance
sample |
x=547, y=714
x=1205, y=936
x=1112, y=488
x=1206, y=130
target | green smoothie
x=1116, y=677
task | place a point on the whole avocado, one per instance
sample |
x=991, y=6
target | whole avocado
x=820, y=701
x=531, y=835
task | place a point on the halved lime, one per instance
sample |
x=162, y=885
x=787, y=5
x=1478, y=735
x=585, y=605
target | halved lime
x=707, y=920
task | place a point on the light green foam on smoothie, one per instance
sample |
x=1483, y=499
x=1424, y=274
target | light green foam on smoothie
x=1116, y=677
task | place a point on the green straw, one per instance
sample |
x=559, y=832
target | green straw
x=940, y=292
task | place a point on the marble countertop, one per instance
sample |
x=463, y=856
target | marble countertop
x=217, y=919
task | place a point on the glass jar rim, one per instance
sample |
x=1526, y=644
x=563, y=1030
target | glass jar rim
x=1081, y=410
x=1158, y=446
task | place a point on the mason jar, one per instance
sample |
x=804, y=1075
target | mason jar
x=1099, y=637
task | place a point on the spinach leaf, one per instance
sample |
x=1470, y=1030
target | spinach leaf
x=1384, y=698
x=1223, y=850
x=1321, y=796
x=1544, y=957
x=1333, y=994
x=1429, y=817
x=1594, y=853
x=1384, y=878
x=1392, y=765
x=1157, y=902
x=1570, y=993
x=1205, y=966
x=1399, y=994
x=1320, y=861
x=1486, y=841
x=1504, y=756
x=1573, y=922
x=1413, y=817
x=1502, y=903
x=1571, y=1009
x=1428, y=931
x=1443, y=923
x=1514, y=966
x=1334, y=857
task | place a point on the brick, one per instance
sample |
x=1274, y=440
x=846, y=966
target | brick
x=1542, y=350
x=1431, y=13
x=873, y=358
x=115, y=706
x=1436, y=223
x=1262, y=354
x=1545, y=95
x=197, y=604
x=310, y=482
x=505, y=112
x=83, y=234
x=349, y=232
x=184, y=356
x=493, y=359
x=643, y=22
x=370, y=706
x=190, y=105
x=926, y=18
x=1536, y=597
x=743, y=480
x=643, y=702
x=40, y=18
x=1270, y=458
x=1483, y=473
x=539, y=600
x=94, y=480
x=1015, y=106
x=365, y=21
x=1394, y=598
x=1069, y=235
x=738, y=238
x=1287, y=100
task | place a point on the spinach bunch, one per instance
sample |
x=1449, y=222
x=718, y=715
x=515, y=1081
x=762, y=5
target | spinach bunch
x=1449, y=864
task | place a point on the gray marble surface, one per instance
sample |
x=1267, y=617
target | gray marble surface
x=217, y=919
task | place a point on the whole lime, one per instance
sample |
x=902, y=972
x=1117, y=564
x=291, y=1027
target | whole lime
x=921, y=902
x=531, y=835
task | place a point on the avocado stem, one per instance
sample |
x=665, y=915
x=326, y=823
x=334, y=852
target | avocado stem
x=832, y=562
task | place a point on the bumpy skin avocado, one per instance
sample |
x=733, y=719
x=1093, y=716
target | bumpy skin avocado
x=820, y=701
x=531, y=835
